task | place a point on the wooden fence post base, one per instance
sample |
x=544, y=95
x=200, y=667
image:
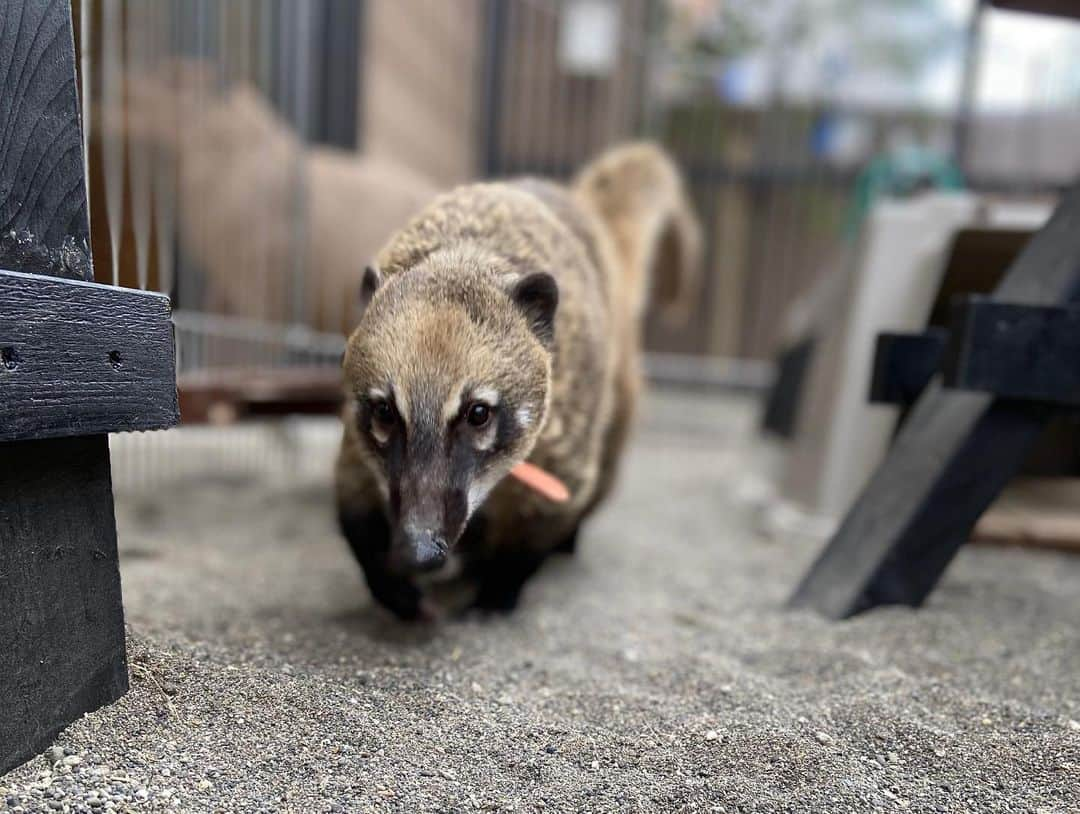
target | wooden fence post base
x=62, y=647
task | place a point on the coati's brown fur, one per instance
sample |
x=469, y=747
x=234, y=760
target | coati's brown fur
x=462, y=312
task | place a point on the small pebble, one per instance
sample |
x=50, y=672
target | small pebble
x=712, y=735
x=54, y=754
x=822, y=737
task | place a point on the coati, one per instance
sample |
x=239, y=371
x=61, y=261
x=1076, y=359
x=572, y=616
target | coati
x=503, y=323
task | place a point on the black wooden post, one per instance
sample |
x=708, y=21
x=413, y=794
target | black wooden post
x=77, y=361
x=953, y=455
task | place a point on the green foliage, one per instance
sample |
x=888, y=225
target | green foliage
x=898, y=36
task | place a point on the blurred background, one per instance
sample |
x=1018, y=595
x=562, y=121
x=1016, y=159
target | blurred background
x=247, y=157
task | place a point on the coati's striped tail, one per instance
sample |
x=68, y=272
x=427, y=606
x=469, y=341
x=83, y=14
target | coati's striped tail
x=638, y=192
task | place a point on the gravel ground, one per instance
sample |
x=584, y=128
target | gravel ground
x=655, y=671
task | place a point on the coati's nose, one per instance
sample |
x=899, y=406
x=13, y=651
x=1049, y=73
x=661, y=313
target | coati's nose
x=418, y=551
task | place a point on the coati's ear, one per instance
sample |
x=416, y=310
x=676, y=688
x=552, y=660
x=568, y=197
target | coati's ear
x=537, y=295
x=369, y=284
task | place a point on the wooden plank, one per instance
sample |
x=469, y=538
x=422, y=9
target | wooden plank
x=951, y=458
x=223, y=396
x=61, y=622
x=1034, y=512
x=43, y=222
x=79, y=358
x=1016, y=351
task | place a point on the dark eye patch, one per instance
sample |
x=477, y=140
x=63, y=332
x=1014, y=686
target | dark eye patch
x=507, y=427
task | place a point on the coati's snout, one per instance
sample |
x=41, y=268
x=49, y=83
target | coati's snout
x=428, y=503
x=448, y=386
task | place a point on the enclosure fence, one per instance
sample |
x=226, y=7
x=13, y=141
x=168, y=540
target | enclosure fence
x=247, y=157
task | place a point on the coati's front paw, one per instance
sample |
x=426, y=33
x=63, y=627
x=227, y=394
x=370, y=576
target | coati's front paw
x=494, y=599
x=501, y=579
x=568, y=545
x=401, y=597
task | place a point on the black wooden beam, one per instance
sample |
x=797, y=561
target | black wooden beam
x=80, y=358
x=61, y=622
x=904, y=364
x=781, y=415
x=1016, y=351
x=75, y=358
x=951, y=458
x=1055, y=8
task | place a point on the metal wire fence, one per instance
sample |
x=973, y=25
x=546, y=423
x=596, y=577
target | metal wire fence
x=248, y=156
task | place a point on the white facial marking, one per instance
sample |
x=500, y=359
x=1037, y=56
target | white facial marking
x=524, y=415
x=488, y=395
x=480, y=488
x=378, y=432
x=452, y=407
x=485, y=439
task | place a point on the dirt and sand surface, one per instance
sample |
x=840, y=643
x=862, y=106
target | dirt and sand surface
x=657, y=670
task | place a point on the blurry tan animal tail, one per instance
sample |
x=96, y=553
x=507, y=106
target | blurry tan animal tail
x=638, y=192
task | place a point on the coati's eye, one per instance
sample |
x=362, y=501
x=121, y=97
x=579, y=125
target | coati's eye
x=382, y=412
x=478, y=414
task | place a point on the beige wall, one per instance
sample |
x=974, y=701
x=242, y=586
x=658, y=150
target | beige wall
x=420, y=64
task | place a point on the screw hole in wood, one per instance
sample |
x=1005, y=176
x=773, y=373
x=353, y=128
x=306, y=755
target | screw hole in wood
x=115, y=359
x=8, y=358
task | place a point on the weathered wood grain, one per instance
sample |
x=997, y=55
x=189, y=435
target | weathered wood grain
x=43, y=219
x=61, y=621
x=80, y=358
x=952, y=457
